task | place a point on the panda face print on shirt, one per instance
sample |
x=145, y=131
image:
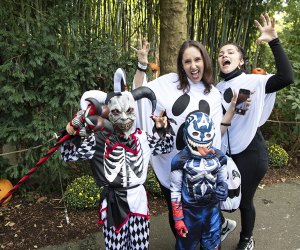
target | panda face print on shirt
x=228, y=94
x=179, y=106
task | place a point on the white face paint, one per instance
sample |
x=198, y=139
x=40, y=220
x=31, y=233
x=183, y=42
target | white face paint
x=122, y=114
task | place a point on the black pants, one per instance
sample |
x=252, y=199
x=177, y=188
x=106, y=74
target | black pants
x=167, y=195
x=252, y=164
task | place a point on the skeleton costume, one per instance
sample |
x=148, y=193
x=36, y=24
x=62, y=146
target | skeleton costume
x=119, y=160
x=198, y=183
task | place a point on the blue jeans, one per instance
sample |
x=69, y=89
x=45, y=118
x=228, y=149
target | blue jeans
x=204, y=227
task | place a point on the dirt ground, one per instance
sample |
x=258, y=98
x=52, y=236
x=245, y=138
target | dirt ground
x=40, y=221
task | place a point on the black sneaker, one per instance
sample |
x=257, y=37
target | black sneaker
x=246, y=243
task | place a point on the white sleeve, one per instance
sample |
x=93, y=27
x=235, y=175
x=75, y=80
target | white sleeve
x=268, y=107
x=100, y=96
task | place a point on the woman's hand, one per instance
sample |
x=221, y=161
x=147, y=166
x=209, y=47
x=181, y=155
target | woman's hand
x=267, y=29
x=232, y=105
x=234, y=100
x=142, y=51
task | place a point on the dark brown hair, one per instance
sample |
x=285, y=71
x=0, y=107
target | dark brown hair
x=242, y=53
x=207, y=78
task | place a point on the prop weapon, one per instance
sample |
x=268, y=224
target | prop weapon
x=37, y=165
x=93, y=122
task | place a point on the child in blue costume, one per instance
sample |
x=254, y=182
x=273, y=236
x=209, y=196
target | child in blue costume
x=198, y=184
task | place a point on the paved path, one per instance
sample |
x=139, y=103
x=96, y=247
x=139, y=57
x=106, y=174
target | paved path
x=277, y=224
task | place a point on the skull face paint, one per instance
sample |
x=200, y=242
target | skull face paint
x=122, y=113
x=199, y=132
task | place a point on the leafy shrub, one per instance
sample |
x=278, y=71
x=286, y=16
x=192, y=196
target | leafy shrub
x=82, y=193
x=278, y=157
x=152, y=185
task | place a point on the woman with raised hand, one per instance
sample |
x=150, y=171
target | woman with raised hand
x=244, y=140
x=178, y=94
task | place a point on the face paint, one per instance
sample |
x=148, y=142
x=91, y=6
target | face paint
x=199, y=132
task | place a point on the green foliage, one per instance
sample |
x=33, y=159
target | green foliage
x=45, y=179
x=46, y=64
x=3, y=165
x=53, y=51
x=152, y=185
x=286, y=130
x=278, y=157
x=82, y=193
x=287, y=108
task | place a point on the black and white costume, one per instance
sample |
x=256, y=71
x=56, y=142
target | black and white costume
x=123, y=172
x=119, y=158
x=177, y=105
x=248, y=147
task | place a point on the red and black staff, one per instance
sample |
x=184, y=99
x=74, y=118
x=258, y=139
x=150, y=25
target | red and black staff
x=82, y=118
x=37, y=165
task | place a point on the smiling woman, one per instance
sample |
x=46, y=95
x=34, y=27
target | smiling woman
x=193, y=64
x=244, y=140
x=178, y=94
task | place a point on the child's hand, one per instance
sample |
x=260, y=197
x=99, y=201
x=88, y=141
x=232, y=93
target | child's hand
x=160, y=121
x=180, y=228
x=222, y=192
x=70, y=129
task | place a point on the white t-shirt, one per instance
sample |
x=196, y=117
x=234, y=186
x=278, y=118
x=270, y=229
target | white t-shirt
x=167, y=93
x=244, y=127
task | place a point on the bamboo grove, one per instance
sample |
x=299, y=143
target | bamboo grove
x=51, y=51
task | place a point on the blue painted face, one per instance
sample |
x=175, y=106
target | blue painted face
x=199, y=133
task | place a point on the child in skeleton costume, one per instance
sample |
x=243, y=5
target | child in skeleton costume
x=198, y=184
x=119, y=156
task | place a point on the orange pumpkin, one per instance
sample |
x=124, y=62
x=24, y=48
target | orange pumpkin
x=5, y=187
x=154, y=67
x=258, y=71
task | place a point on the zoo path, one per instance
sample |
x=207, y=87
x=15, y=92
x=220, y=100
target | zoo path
x=277, y=224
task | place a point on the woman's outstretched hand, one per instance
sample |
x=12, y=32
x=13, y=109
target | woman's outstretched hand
x=142, y=51
x=267, y=29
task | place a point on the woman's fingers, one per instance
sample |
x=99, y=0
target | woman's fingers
x=133, y=48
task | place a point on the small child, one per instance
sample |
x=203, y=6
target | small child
x=198, y=184
x=119, y=155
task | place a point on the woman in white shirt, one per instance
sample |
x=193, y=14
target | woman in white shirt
x=244, y=140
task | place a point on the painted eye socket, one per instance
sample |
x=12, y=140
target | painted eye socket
x=195, y=133
x=129, y=111
x=208, y=135
x=115, y=112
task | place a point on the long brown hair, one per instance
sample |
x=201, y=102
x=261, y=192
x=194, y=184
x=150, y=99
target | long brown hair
x=207, y=78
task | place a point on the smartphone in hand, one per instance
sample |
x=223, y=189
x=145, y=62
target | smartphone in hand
x=241, y=107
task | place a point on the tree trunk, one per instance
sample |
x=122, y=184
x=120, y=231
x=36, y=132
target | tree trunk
x=173, y=32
